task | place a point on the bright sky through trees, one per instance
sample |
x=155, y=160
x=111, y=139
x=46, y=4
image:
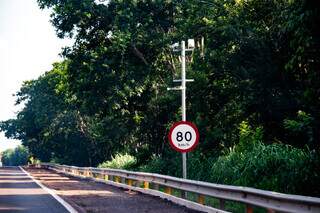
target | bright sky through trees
x=28, y=47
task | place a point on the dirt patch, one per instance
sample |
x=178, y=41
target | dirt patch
x=90, y=196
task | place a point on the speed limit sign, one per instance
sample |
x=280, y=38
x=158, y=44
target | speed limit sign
x=183, y=136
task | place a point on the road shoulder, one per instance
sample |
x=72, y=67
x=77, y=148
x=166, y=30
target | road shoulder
x=91, y=196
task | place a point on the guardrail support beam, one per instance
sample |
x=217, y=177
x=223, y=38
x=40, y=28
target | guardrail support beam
x=146, y=185
x=168, y=190
x=117, y=179
x=221, y=204
x=201, y=199
x=249, y=209
x=123, y=180
x=156, y=186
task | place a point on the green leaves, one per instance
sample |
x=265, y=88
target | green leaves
x=276, y=167
x=258, y=64
x=15, y=157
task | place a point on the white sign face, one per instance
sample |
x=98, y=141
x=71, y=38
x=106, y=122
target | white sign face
x=183, y=136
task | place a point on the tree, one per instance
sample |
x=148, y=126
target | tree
x=259, y=66
x=15, y=157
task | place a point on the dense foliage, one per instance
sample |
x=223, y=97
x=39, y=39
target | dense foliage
x=15, y=157
x=120, y=161
x=259, y=67
x=274, y=167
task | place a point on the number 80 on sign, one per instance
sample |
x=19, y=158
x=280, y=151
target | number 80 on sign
x=183, y=136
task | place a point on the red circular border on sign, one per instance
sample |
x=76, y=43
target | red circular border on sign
x=195, y=143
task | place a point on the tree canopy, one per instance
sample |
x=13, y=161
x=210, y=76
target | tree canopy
x=259, y=66
x=15, y=157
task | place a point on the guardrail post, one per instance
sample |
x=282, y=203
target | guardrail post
x=123, y=180
x=106, y=177
x=146, y=185
x=201, y=199
x=156, y=186
x=138, y=183
x=249, y=209
x=168, y=190
x=117, y=179
x=221, y=204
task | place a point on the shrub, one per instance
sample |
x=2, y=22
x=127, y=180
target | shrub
x=248, y=136
x=166, y=166
x=198, y=165
x=275, y=167
x=120, y=161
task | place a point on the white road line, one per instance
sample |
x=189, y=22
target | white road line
x=52, y=193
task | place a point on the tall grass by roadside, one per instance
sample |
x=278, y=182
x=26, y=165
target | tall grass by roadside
x=275, y=167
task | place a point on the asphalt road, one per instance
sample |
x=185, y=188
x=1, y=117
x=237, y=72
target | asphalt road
x=19, y=193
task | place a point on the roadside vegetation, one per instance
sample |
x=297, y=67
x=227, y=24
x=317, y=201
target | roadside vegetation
x=15, y=157
x=255, y=98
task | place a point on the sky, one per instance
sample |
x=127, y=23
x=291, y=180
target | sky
x=28, y=47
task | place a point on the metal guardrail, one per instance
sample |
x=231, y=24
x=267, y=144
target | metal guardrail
x=140, y=181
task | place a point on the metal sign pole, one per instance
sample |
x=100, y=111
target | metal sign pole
x=183, y=101
x=183, y=81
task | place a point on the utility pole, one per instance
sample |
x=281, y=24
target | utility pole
x=183, y=101
x=183, y=88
